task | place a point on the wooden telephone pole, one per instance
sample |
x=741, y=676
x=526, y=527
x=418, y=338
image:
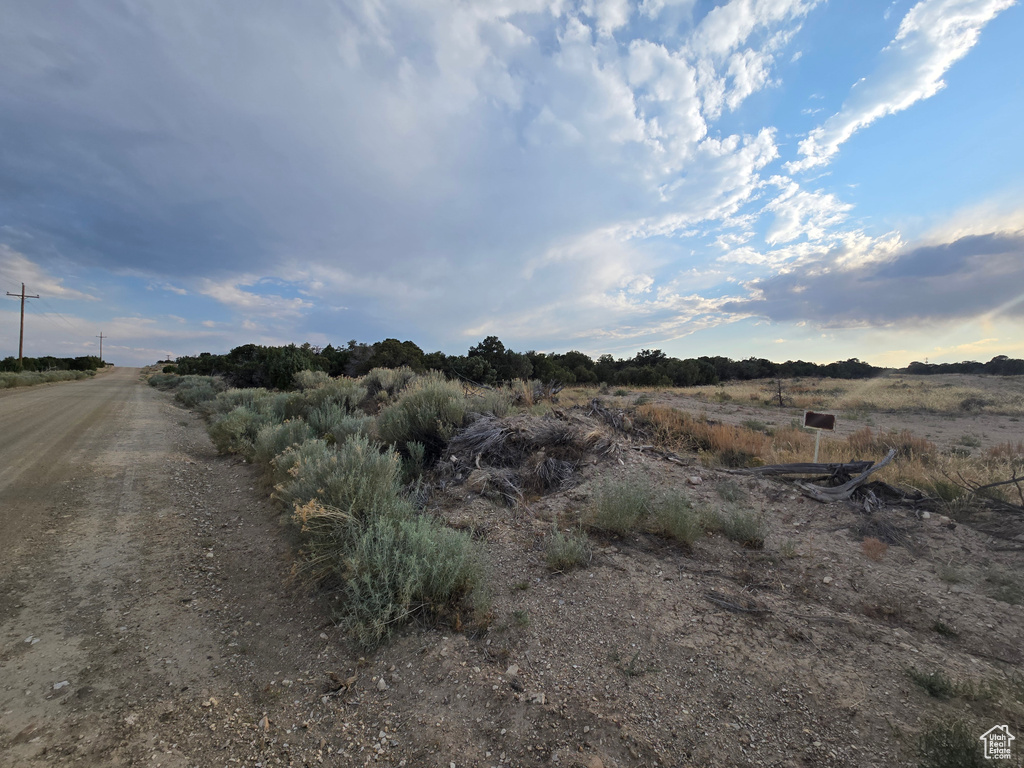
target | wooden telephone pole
x=101, y=337
x=21, y=334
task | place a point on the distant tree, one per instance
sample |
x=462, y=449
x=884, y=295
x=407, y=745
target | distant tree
x=605, y=369
x=507, y=365
x=471, y=369
x=392, y=353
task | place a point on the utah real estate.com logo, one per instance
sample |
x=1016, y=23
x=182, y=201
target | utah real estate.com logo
x=997, y=741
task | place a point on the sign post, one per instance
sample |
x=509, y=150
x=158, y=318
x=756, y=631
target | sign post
x=819, y=422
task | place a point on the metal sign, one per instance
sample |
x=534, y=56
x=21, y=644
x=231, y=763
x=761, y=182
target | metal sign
x=826, y=421
x=819, y=422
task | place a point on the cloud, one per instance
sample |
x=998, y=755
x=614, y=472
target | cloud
x=16, y=268
x=933, y=36
x=172, y=289
x=536, y=169
x=963, y=279
x=728, y=26
x=130, y=340
x=801, y=213
x=734, y=47
x=401, y=161
x=231, y=293
x=357, y=136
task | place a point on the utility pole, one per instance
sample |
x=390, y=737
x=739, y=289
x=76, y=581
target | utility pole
x=21, y=334
x=101, y=337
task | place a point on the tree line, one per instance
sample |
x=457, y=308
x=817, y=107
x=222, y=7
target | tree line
x=491, y=362
x=1001, y=365
x=48, y=363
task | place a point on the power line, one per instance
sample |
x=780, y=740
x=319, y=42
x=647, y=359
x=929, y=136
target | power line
x=53, y=311
x=57, y=327
x=48, y=318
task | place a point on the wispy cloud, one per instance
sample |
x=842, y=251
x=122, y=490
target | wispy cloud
x=933, y=36
x=232, y=293
x=16, y=268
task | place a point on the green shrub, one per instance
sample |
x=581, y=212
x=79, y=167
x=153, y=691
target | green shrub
x=943, y=489
x=10, y=380
x=310, y=379
x=236, y=431
x=354, y=478
x=347, y=394
x=192, y=396
x=293, y=405
x=274, y=439
x=325, y=419
x=675, y=518
x=191, y=391
x=169, y=369
x=415, y=462
x=389, y=381
x=428, y=412
x=1005, y=586
x=233, y=398
x=743, y=527
x=395, y=569
x=497, y=402
x=353, y=425
x=620, y=507
x=565, y=551
x=951, y=744
x=164, y=380
x=937, y=684
x=730, y=490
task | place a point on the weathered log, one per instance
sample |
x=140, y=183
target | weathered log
x=844, y=491
x=807, y=468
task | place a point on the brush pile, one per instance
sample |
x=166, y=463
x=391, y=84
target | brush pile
x=514, y=456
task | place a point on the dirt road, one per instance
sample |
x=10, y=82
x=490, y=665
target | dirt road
x=113, y=618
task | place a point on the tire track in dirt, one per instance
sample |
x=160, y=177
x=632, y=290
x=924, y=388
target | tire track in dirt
x=86, y=585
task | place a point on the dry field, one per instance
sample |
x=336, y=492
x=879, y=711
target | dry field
x=654, y=607
x=640, y=603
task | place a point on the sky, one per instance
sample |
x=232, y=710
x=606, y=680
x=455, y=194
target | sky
x=787, y=179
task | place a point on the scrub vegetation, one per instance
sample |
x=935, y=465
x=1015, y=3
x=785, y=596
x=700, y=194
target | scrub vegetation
x=32, y=378
x=567, y=522
x=346, y=458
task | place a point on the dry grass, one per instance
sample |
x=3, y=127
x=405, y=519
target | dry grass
x=873, y=548
x=919, y=463
x=951, y=394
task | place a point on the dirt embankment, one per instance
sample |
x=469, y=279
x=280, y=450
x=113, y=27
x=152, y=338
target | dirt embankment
x=148, y=617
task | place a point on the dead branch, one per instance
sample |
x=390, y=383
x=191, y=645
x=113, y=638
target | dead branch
x=675, y=458
x=979, y=490
x=617, y=419
x=844, y=491
x=806, y=468
x=721, y=601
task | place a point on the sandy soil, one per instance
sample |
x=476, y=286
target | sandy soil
x=148, y=617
